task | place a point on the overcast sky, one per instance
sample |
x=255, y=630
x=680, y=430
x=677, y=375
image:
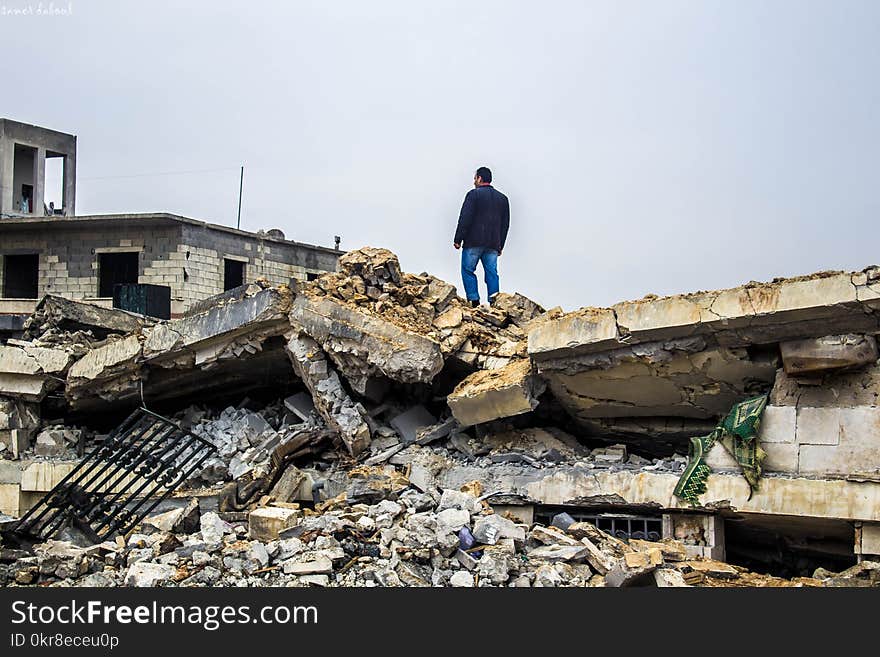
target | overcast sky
x=646, y=147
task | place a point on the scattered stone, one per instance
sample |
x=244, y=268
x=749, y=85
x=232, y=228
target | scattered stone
x=265, y=524
x=490, y=529
x=144, y=573
x=462, y=579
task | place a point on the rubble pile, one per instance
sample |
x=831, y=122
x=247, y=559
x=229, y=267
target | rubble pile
x=408, y=538
x=76, y=327
x=484, y=337
x=411, y=439
x=244, y=439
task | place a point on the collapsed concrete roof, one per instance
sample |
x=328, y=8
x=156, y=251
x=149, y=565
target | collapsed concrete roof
x=652, y=372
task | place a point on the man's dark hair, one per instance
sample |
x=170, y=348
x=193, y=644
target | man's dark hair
x=485, y=174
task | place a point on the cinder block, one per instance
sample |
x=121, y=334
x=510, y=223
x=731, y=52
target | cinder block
x=10, y=499
x=778, y=425
x=781, y=457
x=719, y=458
x=818, y=426
x=870, y=539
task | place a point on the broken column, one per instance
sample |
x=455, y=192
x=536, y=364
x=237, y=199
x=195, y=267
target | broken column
x=331, y=400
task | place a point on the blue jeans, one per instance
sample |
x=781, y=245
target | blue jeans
x=469, y=259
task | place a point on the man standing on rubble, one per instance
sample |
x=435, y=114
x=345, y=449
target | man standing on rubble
x=482, y=229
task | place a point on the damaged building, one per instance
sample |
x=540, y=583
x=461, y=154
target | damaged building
x=180, y=260
x=370, y=428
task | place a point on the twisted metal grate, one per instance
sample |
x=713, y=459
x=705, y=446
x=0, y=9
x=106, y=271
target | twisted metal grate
x=117, y=484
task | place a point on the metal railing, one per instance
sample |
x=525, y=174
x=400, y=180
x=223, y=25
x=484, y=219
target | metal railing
x=119, y=482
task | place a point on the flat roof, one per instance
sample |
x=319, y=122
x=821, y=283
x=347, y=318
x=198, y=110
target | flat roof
x=146, y=219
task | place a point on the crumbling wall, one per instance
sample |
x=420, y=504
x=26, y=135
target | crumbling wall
x=821, y=427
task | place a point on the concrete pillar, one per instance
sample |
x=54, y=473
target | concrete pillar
x=6, y=164
x=701, y=533
x=867, y=541
x=39, y=182
x=69, y=193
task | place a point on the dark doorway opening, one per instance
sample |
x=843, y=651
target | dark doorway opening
x=24, y=178
x=116, y=269
x=20, y=276
x=233, y=274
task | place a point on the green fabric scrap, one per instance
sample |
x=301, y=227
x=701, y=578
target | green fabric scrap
x=736, y=433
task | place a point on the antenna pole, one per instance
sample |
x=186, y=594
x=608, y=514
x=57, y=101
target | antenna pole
x=240, y=186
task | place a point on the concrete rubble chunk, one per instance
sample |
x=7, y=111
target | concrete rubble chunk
x=332, y=401
x=669, y=578
x=555, y=553
x=317, y=566
x=409, y=423
x=144, y=573
x=265, y=524
x=301, y=403
x=492, y=394
x=492, y=528
x=462, y=578
x=830, y=352
x=365, y=346
x=213, y=527
x=69, y=316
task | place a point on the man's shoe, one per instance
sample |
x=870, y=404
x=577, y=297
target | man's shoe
x=493, y=299
x=474, y=303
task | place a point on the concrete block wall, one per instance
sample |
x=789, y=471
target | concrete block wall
x=188, y=258
x=68, y=258
x=203, y=250
x=831, y=431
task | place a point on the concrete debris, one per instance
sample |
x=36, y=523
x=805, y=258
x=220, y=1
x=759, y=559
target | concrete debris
x=330, y=398
x=394, y=542
x=497, y=393
x=409, y=423
x=455, y=434
x=831, y=352
x=55, y=319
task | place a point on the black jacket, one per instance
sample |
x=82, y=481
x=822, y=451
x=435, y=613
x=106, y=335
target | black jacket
x=484, y=219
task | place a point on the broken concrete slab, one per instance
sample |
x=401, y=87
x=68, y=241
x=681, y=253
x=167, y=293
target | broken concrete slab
x=409, y=423
x=493, y=394
x=565, y=485
x=674, y=379
x=263, y=313
x=830, y=352
x=799, y=307
x=67, y=315
x=114, y=359
x=364, y=347
x=302, y=404
x=332, y=401
x=581, y=331
x=29, y=372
